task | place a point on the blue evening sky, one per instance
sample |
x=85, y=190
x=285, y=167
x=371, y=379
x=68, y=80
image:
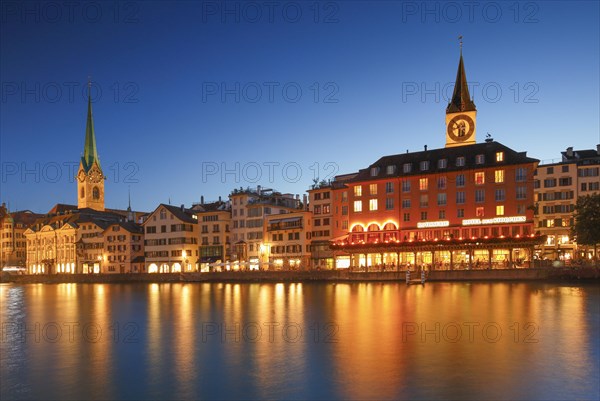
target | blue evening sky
x=197, y=98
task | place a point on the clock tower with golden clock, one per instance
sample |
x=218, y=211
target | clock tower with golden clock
x=461, y=113
x=90, y=179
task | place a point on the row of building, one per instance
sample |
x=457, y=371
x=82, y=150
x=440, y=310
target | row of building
x=466, y=205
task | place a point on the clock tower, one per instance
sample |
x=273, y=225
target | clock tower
x=90, y=179
x=461, y=113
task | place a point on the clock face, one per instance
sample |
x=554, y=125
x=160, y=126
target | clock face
x=461, y=128
x=95, y=175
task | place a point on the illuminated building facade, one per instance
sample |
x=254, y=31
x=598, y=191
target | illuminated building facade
x=13, y=244
x=124, y=246
x=287, y=240
x=557, y=188
x=476, y=198
x=171, y=240
x=214, y=219
x=321, y=207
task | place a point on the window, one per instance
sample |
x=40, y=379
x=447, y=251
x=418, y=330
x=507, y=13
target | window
x=480, y=159
x=520, y=209
x=423, y=184
x=344, y=210
x=550, y=170
x=442, y=214
x=479, y=178
x=499, y=156
x=441, y=183
x=563, y=182
x=344, y=224
x=479, y=196
x=406, y=186
x=389, y=187
x=499, y=176
x=405, y=203
x=407, y=168
x=521, y=192
x=406, y=217
x=460, y=180
x=358, y=206
x=344, y=196
x=460, y=213
x=479, y=212
x=441, y=199
x=317, y=209
x=460, y=198
x=565, y=168
x=373, y=189
x=500, y=210
x=163, y=214
x=424, y=201
x=358, y=190
x=326, y=209
x=521, y=174
x=391, y=169
x=460, y=161
x=423, y=215
x=372, y=204
x=549, y=182
x=389, y=203
x=374, y=171
x=424, y=165
x=500, y=195
x=442, y=163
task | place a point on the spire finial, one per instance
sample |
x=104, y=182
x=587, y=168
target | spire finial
x=460, y=42
x=129, y=196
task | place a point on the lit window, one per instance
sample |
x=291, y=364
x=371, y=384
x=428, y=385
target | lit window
x=479, y=178
x=498, y=176
x=373, y=204
x=500, y=210
x=423, y=184
x=480, y=159
x=407, y=168
x=499, y=156
x=358, y=190
x=424, y=165
x=442, y=163
x=479, y=212
x=358, y=206
x=373, y=189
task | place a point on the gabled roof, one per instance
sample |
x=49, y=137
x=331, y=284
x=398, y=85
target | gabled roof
x=127, y=225
x=469, y=152
x=218, y=206
x=185, y=215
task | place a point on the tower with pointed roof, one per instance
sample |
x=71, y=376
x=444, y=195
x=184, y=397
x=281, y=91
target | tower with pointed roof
x=90, y=178
x=461, y=113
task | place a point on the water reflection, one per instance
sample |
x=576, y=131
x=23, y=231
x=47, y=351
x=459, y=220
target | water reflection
x=345, y=341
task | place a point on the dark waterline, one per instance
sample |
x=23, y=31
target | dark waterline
x=300, y=341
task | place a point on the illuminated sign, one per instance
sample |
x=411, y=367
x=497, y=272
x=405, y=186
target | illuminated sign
x=495, y=220
x=431, y=224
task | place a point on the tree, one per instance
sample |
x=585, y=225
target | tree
x=586, y=229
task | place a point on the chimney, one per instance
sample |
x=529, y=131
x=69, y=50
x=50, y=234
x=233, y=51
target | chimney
x=598, y=149
x=570, y=151
x=182, y=208
x=202, y=199
x=425, y=148
x=220, y=198
x=258, y=189
x=305, y=200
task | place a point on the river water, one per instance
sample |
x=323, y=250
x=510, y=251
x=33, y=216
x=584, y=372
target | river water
x=300, y=341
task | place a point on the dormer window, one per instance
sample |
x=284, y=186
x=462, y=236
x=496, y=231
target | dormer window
x=391, y=169
x=424, y=165
x=499, y=156
x=407, y=168
x=460, y=161
x=480, y=159
x=374, y=171
x=442, y=163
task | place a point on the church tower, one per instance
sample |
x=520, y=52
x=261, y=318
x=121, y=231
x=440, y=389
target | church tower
x=461, y=113
x=90, y=179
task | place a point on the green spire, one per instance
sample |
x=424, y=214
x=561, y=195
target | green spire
x=461, y=100
x=90, y=153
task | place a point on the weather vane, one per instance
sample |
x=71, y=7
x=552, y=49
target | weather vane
x=460, y=41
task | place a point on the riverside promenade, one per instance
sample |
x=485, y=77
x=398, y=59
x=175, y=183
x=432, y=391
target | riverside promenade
x=527, y=274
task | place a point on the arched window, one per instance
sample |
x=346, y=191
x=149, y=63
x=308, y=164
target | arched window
x=373, y=234
x=358, y=229
x=357, y=237
x=96, y=193
x=390, y=233
x=373, y=227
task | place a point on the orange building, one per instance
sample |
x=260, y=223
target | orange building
x=468, y=204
